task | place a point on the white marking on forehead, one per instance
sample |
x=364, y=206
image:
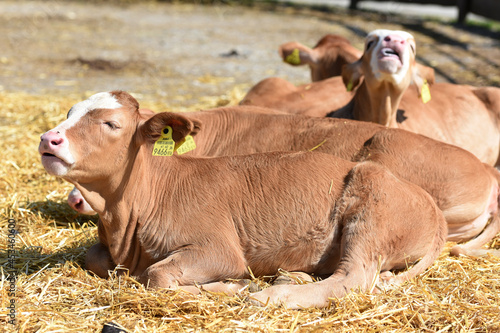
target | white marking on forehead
x=103, y=100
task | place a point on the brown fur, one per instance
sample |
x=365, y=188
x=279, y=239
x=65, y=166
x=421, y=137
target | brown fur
x=313, y=99
x=179, y=221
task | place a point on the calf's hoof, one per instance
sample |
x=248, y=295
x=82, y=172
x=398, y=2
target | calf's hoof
x=293, y=278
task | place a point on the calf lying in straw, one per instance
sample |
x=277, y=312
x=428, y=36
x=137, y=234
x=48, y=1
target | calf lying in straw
x=466, y=190
x=176, y=221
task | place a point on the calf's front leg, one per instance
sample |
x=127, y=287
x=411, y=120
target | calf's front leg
x=192, y=270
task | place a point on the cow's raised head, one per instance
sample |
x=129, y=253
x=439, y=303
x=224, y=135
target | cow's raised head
x=389, y=56
x=102, y=135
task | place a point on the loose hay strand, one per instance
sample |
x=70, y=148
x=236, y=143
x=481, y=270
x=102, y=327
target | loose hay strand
x=53, y=293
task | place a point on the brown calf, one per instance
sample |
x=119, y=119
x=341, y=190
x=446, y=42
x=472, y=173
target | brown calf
x=461, y=115
x=463, y=188
x=179, y=221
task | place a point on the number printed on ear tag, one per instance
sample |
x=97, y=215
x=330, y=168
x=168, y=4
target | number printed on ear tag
x=164, y=146
x=186, y=146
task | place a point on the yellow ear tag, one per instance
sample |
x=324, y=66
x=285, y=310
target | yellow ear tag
x=349, y=86
x=187, y=145
x=426, y=92
x=293, y=58
x=164, y=146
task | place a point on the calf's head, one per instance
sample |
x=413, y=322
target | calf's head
x=102, y=135
x=389, y=56
x=325, y=60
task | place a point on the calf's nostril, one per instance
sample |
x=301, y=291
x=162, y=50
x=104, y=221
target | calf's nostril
x=79, y=204
x=56, y=142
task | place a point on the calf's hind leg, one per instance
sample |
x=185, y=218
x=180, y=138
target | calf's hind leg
x=473, y=247
x=386, y=223
x=359, y=268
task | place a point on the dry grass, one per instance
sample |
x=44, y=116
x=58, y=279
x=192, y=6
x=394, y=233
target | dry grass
x=54, y=294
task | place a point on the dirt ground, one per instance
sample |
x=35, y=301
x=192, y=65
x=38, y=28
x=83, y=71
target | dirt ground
x=180, y=53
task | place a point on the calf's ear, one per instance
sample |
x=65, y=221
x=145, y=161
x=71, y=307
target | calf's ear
x=422, y=76
x=425, y=73
x=197, y=126
x=352, y=74
x=150, y=130
x=146, y=113
x=297, y=54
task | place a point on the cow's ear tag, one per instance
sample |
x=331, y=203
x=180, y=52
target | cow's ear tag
x=293, y=58
x=349, y=86
x=185, y=145
x=164, y=146
x=426, y=92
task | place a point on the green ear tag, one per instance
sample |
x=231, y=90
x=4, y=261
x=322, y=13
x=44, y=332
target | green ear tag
x=349, y=86
x=293, y=58
x=186, y=146
x=164, y=146
x=426, y=92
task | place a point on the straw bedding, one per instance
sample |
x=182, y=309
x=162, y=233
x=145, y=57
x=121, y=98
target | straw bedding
x=53, y=293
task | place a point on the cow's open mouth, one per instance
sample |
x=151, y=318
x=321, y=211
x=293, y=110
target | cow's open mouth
x=389, y=53
x=48, y=154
